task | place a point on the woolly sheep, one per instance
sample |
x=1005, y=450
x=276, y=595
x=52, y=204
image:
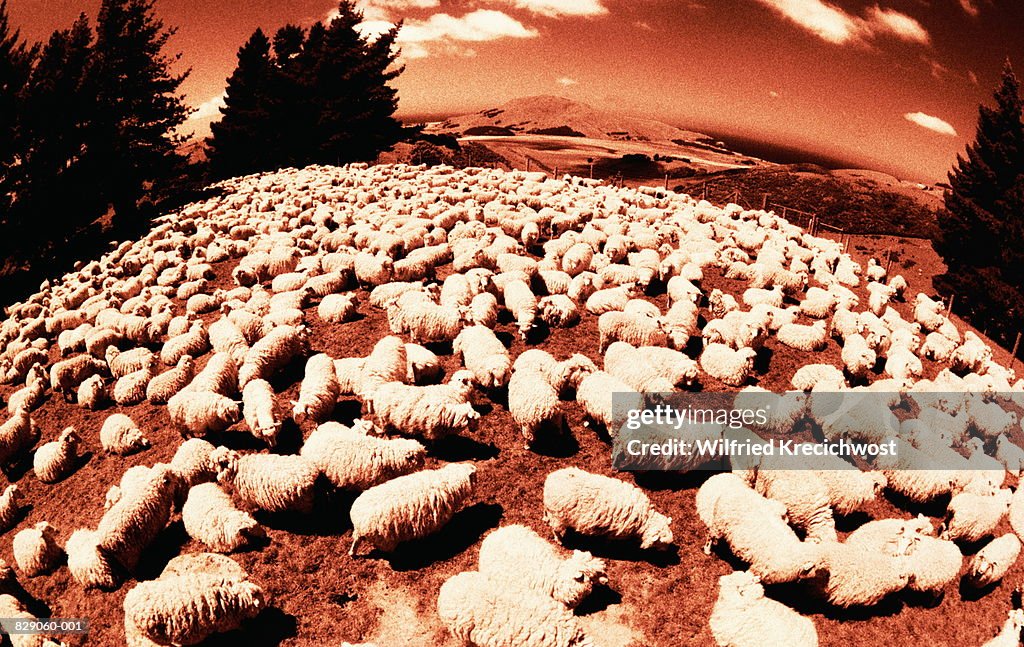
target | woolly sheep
x=522, y=304
x=69, y=373
x=624, y=362
x=558, y=311
x=192, y=599
x=270, y=482
x=220, y=375
x=11, y=607
x=197, y=413
x=743, y=617
x=387, y=362
x=131, y=389
x=410, y=507
x=818, y=377
x=120, y=435
x=591, y=504
x=671, y=364
x=164, y=386
x=423, y=366
x=594, y=395
x=806, y=338
x=130, y=361
x=195, y=342
x=533, y=403
x=992, y=562
x=35, y=549
x=226, y=337
x=210, y=517
x=192, y=462
x=860, y=576
x=88, y=566
x=134, y=520
x=432, y=411
x=55, y=460
x=11, y=503
x=260, y=412
x=480, y=611
x=1009, y=634
x=973, y=516
x=729, y=366
x=353, y=460
x=337, y=308
x=609, y=299
x=858, y=358
x=483, y=310
x=31, y=395
x=805, y=496
x=755, y=296
x=273, y=352
x=933, y=564
x=635, y=330
x=568, y=580
x=484, y=355
x=318, y=392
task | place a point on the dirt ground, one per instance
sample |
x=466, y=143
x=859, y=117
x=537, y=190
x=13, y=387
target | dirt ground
x=321, y=596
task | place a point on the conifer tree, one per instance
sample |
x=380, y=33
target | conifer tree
x=16, y=59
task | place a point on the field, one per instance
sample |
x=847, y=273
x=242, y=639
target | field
x=317, y=593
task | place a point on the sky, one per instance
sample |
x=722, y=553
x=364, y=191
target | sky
x=887, y=84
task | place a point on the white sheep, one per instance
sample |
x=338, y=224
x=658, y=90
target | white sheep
x=627, y=364
x=270, y=482
x=671, y=364
x=88, y=566
x=55, y=460
x=273, y=352
x=423, y=365
x=337, y=308
x=211, y=518
x=858, y=358
x=805, y=496
x=319, y=391
x=635, y=330
x=432, y=411
x=351, y=459
x=120, y=435
x=533, y=403
x=484, y=355
x=410, y=507
x=480, y=611
x=992, y=562
x=135, y=519
x=558, y=311
x=483, y=310
x=387, y=362
x=260, y=411
x=609, y=299
x=729, y=366
x=933, y=563
x=818, y=377
x=35, y=549
x=505, y=553
x=522, y=304
x=200, y=412
x=591, y=504
x=13, y=609
x=861, y=576
x=220, y=375
x=11, y=503
x=131, y=389
x=164, y=386
x=810, y=338
x=743, y=617
x=975, y=515
x=194, y=597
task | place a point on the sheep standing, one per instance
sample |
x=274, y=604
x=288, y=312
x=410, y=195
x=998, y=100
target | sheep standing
x=353, y=460
x=270, y=482
x=134, y=520
x=210, y=517
x=432, y=411
x=635, y=330
x=744, y=617
x=260, y=412
x=592, y=504
x=410, y=507
x=55, y=460
x=200, y=412
x=484, y=355
x=729, y=366
x=992, y=562
x=480, y=611
x=522, y=303
x=533, y=403
x=273, y=352
x=164, y=386
x=35, y=549
x=88, y=566
x=131, y=389
x=337, y=308
x=319, y=391
x=506, y=552
x=806, y=338
x=120, y=435
x=387, y=362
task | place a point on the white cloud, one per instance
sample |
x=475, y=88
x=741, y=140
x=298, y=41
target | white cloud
x=566, y=81
x=773, y=94
x=640, y=24
x=374, y=29
x=834, y=25
x=931, y=123
x=557, y=8
x=209, y=108
x=897, y=24
x=969, y=6
x=477, y=26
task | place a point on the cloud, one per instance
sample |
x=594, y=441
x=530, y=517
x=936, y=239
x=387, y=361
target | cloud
x=566, y=81
x=558, y=8
x=935, y=68
x=970, y=7
x=477, y=26
x=209, y=109
x=972, y=77
x=773, y=94
x=640, y=24
x=834, y=25
x=931, y=123
x=897, y=24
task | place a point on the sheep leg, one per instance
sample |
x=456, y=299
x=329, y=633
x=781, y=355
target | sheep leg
x=356, y=541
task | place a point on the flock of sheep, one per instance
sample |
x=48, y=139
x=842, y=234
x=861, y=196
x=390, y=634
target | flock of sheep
x=446, y=256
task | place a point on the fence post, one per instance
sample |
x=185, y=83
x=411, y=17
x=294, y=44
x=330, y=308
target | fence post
x=704, y=194
x=764, y=202
x=591, y=170
x=1016, y=346
x=528, y=160
x=666, y=181
x=555, y=175
x=784, y=209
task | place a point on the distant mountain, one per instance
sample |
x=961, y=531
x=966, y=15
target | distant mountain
x=550, y=115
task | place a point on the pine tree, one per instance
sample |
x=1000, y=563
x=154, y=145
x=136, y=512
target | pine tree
x=982, y=228
x=138, y=105
x=16, y=60
x=240, y=139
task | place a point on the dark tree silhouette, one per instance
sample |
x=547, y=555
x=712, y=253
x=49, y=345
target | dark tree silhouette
x=982, y=230
x=16, y=59
x=138, y=107
x=240, y=138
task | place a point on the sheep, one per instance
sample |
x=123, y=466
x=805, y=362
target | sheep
x=273, y=352
x=410, y=507
x=69, y=373
x=318, y=392
x=755, y=530
x=635, y=330
x=743, y=617
x=210, y=517
x=134, y=520
x=14, y=610
x=522, y=304
x=353, y=460
x=387, y=362
x=879, y=295
x=823, y=377
x=623, y=361
x=226, y=337
x=35, y=549
x=933, y=563
x=591, y=504
x=480, y=611
x=124, y=363
x=483, y=310
x=577, y=259
x=431, y=411
x=505, y=552
x=971, y=354
x=131, y=389
x=681, y=324
x=558, y=311
x=582, y=287
x=164, y=386
x=902, y=364
x=54, y=460
x=120, y=435
x=259, y=410
x=423, y=366
x=220, y=375
x=860, y=576
x=337, y=308
x=937, y=347
x=676, y=367
x=737, y=330
x=721, y=304
x=195, y=342
x=755, y=296
x=858, y=358
x=426, y=321
x=729, y=366
x=609, y=299
x=193, y=598
x=594, y=395
x=11, y=503
x=31, y=395
x=806, y=338
x=992, y=562
x=533, y=403
x=88, y=566
x=199, y=412
x=972, y=516
x=269, y=482
x=484, y=355
x=819, y=303
x=805, y=496
x=373, y=270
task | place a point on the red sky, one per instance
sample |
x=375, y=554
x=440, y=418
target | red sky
x=893, y=85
